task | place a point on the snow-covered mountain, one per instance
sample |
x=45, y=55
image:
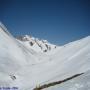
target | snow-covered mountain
x=35, y=43
x=24, y=64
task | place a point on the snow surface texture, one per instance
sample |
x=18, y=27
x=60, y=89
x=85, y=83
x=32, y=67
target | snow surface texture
x=27, y=63
x=80, y=83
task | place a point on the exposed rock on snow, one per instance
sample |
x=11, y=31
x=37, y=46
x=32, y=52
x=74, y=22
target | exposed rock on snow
x=35, y=43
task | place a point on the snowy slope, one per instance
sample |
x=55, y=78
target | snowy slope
x=62, y=65
x=31, y=67
x=13, y=55
x=79, y=83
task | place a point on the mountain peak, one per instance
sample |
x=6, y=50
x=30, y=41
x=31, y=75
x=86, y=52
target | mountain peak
x=36, y=43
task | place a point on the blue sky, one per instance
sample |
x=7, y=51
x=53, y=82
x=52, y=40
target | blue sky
x=58, y=21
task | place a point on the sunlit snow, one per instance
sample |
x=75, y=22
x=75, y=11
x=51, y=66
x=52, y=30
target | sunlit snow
x=26, y=66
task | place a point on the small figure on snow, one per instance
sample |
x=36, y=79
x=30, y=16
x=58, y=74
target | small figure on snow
x=13, y=77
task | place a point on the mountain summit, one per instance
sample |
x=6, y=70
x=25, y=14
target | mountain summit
x=36, y=44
